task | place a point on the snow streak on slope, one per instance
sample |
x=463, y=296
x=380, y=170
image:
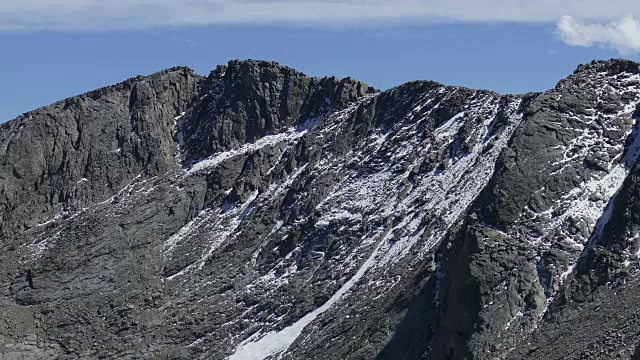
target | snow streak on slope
x=269, y=140
x=426, y=207
x=188, y=230
x=220, y=225
x=277, y=342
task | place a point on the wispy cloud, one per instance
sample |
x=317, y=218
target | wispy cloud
x=623, y=35
x=95, y=15
x=186, y=42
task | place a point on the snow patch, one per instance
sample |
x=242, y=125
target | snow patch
x=275, y=343
x=568, y=272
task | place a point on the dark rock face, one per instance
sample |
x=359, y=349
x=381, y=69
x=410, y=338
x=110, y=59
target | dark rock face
x=260, y=213
x=62, y=157
x=244, y=101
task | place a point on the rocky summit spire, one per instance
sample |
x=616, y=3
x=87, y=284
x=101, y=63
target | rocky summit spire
x=246, y=100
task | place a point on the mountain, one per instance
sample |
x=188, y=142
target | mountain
x=258, y=213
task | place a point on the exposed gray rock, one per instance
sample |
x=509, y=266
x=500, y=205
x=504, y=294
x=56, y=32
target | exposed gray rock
x=260, y=213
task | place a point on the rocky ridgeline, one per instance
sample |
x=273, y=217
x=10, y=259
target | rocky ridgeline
x=260, y=213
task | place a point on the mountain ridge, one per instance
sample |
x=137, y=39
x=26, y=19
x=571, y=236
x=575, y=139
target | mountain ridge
x=581, y=67
x=259, y=213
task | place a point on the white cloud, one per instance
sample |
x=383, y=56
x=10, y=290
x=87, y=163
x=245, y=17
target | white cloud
x=623, y=35
x=71, y=15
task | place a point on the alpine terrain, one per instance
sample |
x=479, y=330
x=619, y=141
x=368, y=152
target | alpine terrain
x=258, y=213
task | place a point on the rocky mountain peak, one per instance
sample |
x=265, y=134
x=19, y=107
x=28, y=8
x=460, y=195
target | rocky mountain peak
x=261, y=213
x=246, y=100
x=612, y=67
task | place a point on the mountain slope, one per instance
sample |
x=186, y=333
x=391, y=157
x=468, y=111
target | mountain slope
x=259, y=213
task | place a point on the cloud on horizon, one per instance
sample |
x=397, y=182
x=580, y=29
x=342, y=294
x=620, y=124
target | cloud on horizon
x=582, y=22
x=622, y=35
x=98, y=15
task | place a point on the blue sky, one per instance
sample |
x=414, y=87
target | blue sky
x=56, y=56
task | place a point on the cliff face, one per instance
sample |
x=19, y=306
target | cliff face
x=258, y=212
x=84, y=149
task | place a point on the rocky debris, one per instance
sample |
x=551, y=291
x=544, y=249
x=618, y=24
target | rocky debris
x=260, y=213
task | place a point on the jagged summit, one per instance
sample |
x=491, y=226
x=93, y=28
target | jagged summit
x=236, y=68
x=612, y=66
x=258, y=212
x=246, y=100
x=239, y=65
